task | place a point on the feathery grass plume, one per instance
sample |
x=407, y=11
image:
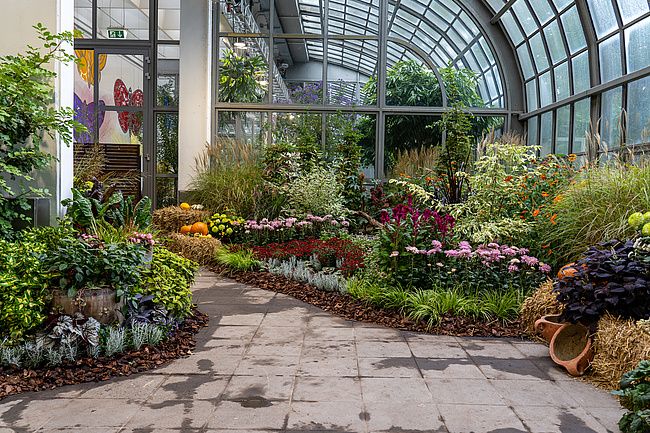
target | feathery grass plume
x=415, y=162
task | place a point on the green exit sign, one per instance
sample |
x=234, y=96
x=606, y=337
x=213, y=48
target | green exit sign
x=116, y=33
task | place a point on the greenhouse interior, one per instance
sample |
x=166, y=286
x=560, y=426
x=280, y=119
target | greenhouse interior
x=325, y=215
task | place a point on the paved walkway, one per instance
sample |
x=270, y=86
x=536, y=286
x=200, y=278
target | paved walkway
x=268, y=362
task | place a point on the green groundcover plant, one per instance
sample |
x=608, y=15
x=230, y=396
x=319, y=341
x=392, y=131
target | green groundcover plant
x=635, y=397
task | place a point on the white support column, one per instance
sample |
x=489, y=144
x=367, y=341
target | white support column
x=195, y=87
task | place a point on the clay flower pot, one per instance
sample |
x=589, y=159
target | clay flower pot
x=548, y=325
x=571, y=347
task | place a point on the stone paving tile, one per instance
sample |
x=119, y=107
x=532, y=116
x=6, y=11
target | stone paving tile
x=253, y=319
x=533, y=393
x=235, y=332
x=327, y=320
x=408, y=390
x=377, y=333
x=230, y=347
x=172, y=414
x=334, y=333
x=267, y=332
x=501, y=350
x=30, y=411
x=559, y=420
x=212, y=361
x=495, y=368
x=314, y=349
x=267, y=365
x=449, y=368
x=235, y=415
x=136, y=387
x=407, y=417
x=327, y=415
x=317, y=389
x=465, y=418
x=332, y=366
x=435, y=349
x=281, y=347
x=588, y=395
x=386, y=349
x=94, y=413
x=267, y=387
x=464, y=391
x=388, y=367
x=190, y=386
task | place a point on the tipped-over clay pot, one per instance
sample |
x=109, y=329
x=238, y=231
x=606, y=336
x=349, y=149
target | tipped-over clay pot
x=548, y=325
x=571, y=347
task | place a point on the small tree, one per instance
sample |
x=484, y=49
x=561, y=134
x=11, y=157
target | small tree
x=26, y=115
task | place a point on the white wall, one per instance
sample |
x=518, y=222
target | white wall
x=16, y=33
x=194, y=88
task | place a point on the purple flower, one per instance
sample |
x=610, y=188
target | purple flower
x=545, y=268
x=513, y=268
x=394, y=254
x=452, y=253
x=530, y=261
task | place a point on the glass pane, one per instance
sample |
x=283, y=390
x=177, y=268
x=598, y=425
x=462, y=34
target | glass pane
x=631, y=9
x=355, y=17
x=168, y=70
x=512, y=28
x=351, y=64
x=84, y=106
x=637, y=43
x=525, y=61
x=573, y=30
x=120, y=81
x=561, y=81
x=531, y=128
x=546, y=133
x=83, y=17
x=531, y=95
x=562, y=130
x=166, y=192
x=555, y=42
x=237, y=17
x=542, y=10
x=406, y=135
x=638, y=111
x=581, y=125
x=250, y=127
x=581, y=77
x=243, y=70
x=539, y=53
x=521, y=11
x=122, y=127
x=409, y=82
x=610, y=121
x=602, y=15
x=167, y=143
x=169, y=20
x=123, y=15
x=561, y=4
x=610, y=59
x=545, y=90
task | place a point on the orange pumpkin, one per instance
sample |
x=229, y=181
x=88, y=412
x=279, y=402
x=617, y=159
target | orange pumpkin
x=185, y=229
x=199, y=228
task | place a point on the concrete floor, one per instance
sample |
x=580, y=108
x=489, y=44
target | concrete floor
x=268, y=362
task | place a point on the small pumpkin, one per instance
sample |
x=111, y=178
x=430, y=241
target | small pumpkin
x=185, y=206
x=199, y=228
x=568, y=270
x=186, y=229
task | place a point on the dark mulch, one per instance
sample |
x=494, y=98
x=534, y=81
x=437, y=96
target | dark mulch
x=17, y=380
x=353, y=309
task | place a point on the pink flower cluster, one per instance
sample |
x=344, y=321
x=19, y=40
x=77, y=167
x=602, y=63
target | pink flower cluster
x=92, y=240
x=142, y=238
x=493, y=253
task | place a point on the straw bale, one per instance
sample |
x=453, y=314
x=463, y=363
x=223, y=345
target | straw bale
x=620, y=344
x=201, y=250
x=171, y=219
x=540, y=303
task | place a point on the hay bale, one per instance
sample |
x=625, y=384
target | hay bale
x=540, y=303
x=201, y=250
x=171, y=219
x=620, y=344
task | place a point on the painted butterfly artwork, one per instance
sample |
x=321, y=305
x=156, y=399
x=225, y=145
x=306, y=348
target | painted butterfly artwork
x=129, y=121
x=83, y=113
x=86, y=69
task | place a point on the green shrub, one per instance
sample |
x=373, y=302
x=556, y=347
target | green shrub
x=317, y=192
x=23, y=289
x=241, y=260
x=595, y=208
x=168, y=279
x=635, y=397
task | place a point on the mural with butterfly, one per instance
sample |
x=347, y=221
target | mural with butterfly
x=86, y=67
x=83, y=113
x=130, y=121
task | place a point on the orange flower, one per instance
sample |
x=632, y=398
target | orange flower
x=558, y=198
x=535, y=212
x=508, y=179
x=544, y=194
x=543, y=177
x=572, y=157
x=553, y=219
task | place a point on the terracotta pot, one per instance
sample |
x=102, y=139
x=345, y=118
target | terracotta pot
x=548, y=325
x=572, y=348
x=99, y=304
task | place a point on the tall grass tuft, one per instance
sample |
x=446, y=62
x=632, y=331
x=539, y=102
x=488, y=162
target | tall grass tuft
x=229, y=174
x=415, y=162
x=596, y=207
